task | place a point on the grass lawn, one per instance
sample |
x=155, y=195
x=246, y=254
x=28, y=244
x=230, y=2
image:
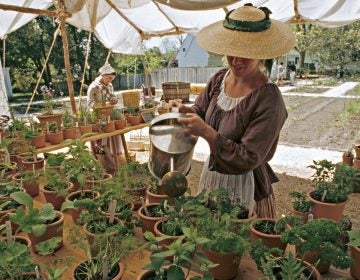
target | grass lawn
x=308, y=89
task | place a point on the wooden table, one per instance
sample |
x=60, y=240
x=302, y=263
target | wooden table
x=97, y=136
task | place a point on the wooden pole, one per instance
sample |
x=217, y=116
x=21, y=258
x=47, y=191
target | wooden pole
x=28, y=10
x=4, y=52
x=67, y=57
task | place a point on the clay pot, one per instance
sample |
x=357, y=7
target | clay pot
x=21, y=239
x=269, y=240
x=90, y=236
x=53, y=197
x=30, y=164
x=4, y=216
x=331, y=211
x=9, y=172
x=356, y=163
x=85, y=129
x=44, y=119
x=303, y=215
x=157, y=230
x=355, y=269
x=246, y=220
x=55, y=138
x=137, y=195
x=228, y=264
x=357, y=151
x=95, y=127
x=147, y=223
x=134, y=120
x=31, y=186
x=120, y=124
x=38, y=141
x=69, y=133
x=109, y=127
x=155, y=198
x=91, y=183
x=118, y=276
x=312, y=258
x=54, y=229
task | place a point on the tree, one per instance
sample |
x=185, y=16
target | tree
x=302, y=42
x=336, y=47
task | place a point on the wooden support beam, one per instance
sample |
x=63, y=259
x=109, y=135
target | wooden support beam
x=65, y=42
x=28, y=10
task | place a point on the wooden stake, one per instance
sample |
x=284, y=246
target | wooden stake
x=111, y=210
x=9, y=237
x=251, y=208
x=324, y=195
x=145, y=208
x=37, y=273
x=105, y=267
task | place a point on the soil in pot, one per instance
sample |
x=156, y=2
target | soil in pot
x=264, y=229
x=30, y=183
x=56, y=198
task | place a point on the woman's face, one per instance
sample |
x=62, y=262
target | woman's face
x=243, y=66
x=107, y=79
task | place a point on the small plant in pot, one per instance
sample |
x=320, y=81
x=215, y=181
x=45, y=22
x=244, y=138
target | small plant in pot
x=41, y=224
x=56, y=188
x=118, y=117
x=275, y=265
x=182, y=254
x=318, y=241
x=54, y=161
x=134, y=117
x=29, y=180
x=30, y=160
x=54, y=135
x=301, y=205
x=331, y=194
x=68, y=121
x=348, y=157
x=34, y=135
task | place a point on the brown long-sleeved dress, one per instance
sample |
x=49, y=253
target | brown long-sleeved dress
x=247, y=134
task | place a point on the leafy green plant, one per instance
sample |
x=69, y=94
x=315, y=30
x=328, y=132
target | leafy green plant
x=32, y=220
x=68, y=120
x=321, y=236
x=133, y=175
x=182, y=252
x=56, y=182
x=349, y=152
x=300, y=202
x=52, y=127
x=354, y=238
x=54, y=159
x=116, y=114
x=347, y=177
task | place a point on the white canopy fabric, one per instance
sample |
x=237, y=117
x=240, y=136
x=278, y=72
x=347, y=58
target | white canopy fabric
x=122, y=25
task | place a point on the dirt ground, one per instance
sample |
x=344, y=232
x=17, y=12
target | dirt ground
x=313, y=122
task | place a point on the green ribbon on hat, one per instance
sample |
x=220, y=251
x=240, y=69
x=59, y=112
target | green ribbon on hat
x=248, y=26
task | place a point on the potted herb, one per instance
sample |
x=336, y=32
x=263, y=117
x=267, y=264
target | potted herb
x=107, y=125
x=56, y=188
x=118, y=117
x=301, y=206
x=348, y=157
x=34, y=135
x=53, y=161
x=330, y=195
x=355, y=253
x=40, y=224
x=30, y=160
x=182, y=252
x=29, y=180
x=8, y=206
x=134, y=117
x=149, y=214
x=54, y=135
x=156, y=194
x=83, y=121
x=318, y=241
x=68, y=121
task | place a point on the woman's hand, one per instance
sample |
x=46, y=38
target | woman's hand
x=196, y=126
x=182, y=108
x=113, y=101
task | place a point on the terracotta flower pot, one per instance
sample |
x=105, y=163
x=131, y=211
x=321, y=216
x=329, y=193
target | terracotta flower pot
x=53, y=197
x=157, y=230
x=44, y=119
x=331, y=211
x=95, y=127
x=303, y=215
x=357, y=151
x=109, y=127
x=21, y=239
x=134, y=120
x=30, y=186
x=118, y=276
x=9, y=171
x=155, y=198
x=246, y=220
x=85, y=129
x=313, y=258
x=269, y=240
x=69, y=133
x=355, y=269
x=228, y=264
x=38, y=141
x=54, y=229
x=120, y=124
x=356, y=163
x=4, y=215
x=137, y=195
x=147, y=223
x=30, y=164
x=91, y=183
x=90, y=236
x=55, y=138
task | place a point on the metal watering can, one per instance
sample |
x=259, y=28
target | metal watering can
x=171, y=152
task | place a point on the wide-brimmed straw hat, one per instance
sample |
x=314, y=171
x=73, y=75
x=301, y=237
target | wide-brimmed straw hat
x=107, y=70
x=247, y=32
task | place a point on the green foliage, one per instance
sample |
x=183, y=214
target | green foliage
x=33, y=220
x=49, y=246
x=322, y=236
x=56, y=182
x=354, y=238
x=54, y=159
x=8, y=187
x=261, y=253
x=68, y=120
x=300, y=202
x=15, y=260
x=116, y=114
x=333, y=180
x=133, y=175
x=52, y=127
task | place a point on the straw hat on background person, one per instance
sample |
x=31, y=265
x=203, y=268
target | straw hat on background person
x=247, y=32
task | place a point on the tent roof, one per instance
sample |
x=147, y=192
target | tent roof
x=122, y=25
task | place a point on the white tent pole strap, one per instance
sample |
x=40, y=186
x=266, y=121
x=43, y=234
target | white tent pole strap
x=43, y=69
x=85, y=66
x=108, y=57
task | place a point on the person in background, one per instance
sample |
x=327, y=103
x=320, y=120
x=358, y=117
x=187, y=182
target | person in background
x=241, y=112
x=99, y=93
x=292, y=68
x=280, y=74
